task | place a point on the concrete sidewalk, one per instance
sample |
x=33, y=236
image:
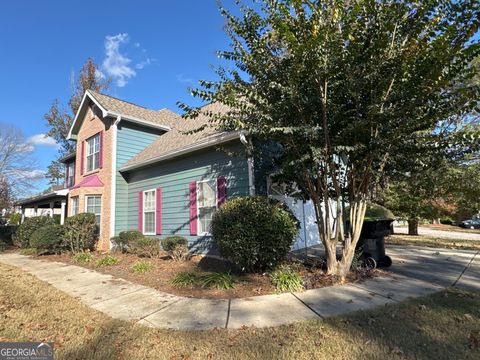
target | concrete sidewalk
x=121, y=299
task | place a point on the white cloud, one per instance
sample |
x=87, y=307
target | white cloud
x=42, y=140
x=116, y=64
x=183, y=79
x=29, y=174
x=143, y=63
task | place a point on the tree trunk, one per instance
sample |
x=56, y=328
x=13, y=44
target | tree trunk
x=413, y=227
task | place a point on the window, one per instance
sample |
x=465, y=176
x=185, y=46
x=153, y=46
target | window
x=70, y=174
x=149, y=208
x=93, y=153
x=206, y=204
x=93, y=205
x=74, y=206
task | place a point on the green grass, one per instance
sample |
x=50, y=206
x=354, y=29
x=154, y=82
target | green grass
x=218, y=280
x=285, y=279
x=107, y=260
x=436, y=242
x=28, y=251
x=442, y=326
x=142, y=267
x=184, y=279
x=83, y=258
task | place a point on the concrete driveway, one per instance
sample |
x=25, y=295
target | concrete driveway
x=445, y=267
x=440, y=233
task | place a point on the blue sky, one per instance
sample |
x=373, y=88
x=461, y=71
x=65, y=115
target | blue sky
x=154, y=50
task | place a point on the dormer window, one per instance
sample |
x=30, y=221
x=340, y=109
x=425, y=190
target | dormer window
x=93, y=153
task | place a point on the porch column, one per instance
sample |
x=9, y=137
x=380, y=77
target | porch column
x=51, y=209
x=62, y=211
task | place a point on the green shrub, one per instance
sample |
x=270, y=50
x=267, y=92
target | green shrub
x=83, y=257
x=28, y=251
x=7, y=233
x=80, y=232
x=184, y=279
x=285, y=279
x=107, y=260
x=378, y=212
x=142, y=267
x=15, y=219
x=48, y=239
x=254, y=233
x=123, y=242
x=25, y=230
x=145, y=246
x=176, y=247
x=218, y=280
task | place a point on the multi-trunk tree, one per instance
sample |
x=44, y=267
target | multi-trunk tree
x=346, y=88
x=59, y=120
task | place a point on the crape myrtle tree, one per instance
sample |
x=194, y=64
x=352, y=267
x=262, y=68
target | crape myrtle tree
x=346, y=88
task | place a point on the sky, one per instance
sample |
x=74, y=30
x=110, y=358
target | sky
x=152, y=50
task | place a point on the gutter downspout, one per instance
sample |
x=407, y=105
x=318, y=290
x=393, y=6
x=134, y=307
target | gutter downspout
x=250, y=162
x=113, y=187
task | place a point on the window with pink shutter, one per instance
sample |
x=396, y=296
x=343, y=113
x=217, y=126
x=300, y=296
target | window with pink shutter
x=158, y=220
x=193, y=207
x=140, y=211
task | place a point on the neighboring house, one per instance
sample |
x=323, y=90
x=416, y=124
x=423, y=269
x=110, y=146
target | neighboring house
x=136, y=168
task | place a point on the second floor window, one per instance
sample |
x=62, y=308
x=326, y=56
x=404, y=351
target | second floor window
x=70, y=174
x=93, y=153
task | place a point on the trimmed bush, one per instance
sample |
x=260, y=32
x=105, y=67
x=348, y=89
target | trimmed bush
x=25, y=230
x=145, y=246
x=80, y=232
x=123, y=242
x=176, y=247
x=48, y=239
x=254, y=233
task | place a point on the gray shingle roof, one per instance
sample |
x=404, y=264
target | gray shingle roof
x=176, y=139
x=161, y=117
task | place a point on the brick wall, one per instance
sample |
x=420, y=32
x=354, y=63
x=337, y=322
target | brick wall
x=92, y=124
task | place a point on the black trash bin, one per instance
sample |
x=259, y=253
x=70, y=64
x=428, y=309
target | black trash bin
x=371, y=245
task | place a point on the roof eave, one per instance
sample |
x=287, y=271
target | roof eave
x=208, y=142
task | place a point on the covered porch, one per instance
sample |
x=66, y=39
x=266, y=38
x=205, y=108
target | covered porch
x=50, y=204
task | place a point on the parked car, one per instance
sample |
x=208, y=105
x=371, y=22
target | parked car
x=471, y=224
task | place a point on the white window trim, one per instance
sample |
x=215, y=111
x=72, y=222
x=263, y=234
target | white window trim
x=87, y=148
x=73, y=207
x=205, y=233
x=101, y=205
x=154, y=213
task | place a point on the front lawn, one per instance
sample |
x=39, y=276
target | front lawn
x=442, y=326
x=437, y=242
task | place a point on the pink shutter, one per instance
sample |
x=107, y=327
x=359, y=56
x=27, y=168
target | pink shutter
x=66, y=175
x=221, y=191
x=193, y=208
x=158, y=223
x=100, y=161
x=140, y=211
x=82, y=159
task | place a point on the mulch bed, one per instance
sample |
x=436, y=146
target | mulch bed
x=165, y=269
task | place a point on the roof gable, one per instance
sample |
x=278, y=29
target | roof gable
x=116, y=108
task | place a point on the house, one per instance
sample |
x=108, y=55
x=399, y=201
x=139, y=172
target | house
x=137, y=168
x=134, y=168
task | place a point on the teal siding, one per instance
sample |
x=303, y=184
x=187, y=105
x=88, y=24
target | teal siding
x=131, y=139
x=174, y=178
